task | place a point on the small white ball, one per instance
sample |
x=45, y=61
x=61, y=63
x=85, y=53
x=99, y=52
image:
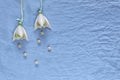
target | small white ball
x=25, y=54
x=38, y=41
x=42, y=33
x=19, y=45
x=49, y=48
x=36, y=62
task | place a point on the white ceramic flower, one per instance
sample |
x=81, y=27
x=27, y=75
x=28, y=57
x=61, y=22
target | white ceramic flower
x=20, y=33
x=41, y=21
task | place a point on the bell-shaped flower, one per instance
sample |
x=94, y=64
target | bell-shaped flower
x=20, y=33
x=41, y=21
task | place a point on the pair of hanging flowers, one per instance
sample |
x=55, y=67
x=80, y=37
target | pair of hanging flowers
x=40, y=22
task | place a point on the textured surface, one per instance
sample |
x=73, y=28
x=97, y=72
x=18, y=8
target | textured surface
x=85, y=38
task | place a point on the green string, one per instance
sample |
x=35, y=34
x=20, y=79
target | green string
x=21, y=10
x=41, y=5
x=20, y=20
x=40, y=10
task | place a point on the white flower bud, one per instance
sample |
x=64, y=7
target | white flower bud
x=20, y=33
x=41, y=22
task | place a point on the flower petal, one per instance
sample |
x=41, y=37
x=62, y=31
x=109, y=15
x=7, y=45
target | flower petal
x=20, y=30
x=25, y=35
x=39, y=21
x=36, y=24
x=46, y=23
x=18, y=33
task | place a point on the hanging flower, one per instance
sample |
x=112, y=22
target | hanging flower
x=41, y=21
x=20, y=33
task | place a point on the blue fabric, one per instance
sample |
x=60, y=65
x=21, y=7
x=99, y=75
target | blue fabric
x=85, y=40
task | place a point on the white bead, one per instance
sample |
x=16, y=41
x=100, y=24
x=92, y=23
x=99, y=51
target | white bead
x=49, y=48
x=42, y=33
x=25, y=54
x=36, y=62
x=19, y=45
x=38, y=41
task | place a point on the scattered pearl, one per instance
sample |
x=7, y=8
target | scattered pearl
x=49, y=48
x=38, y=41
x=19, y=45
x=42, y=33
x=36, y=62
x=25, y=54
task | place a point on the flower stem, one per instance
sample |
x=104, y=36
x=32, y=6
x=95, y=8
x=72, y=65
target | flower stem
x=20, y=20
x=40, y=10
x=41, y=5
x=21, y=9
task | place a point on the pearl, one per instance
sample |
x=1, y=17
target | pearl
x=38, y=41
x=42, y=33
x=19, y=45
x=25, y=54
x=36, y=62
x=49, y=48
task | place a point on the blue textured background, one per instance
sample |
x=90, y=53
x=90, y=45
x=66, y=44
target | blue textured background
x=85, y=38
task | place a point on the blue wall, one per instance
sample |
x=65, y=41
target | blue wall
x=85, y=38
